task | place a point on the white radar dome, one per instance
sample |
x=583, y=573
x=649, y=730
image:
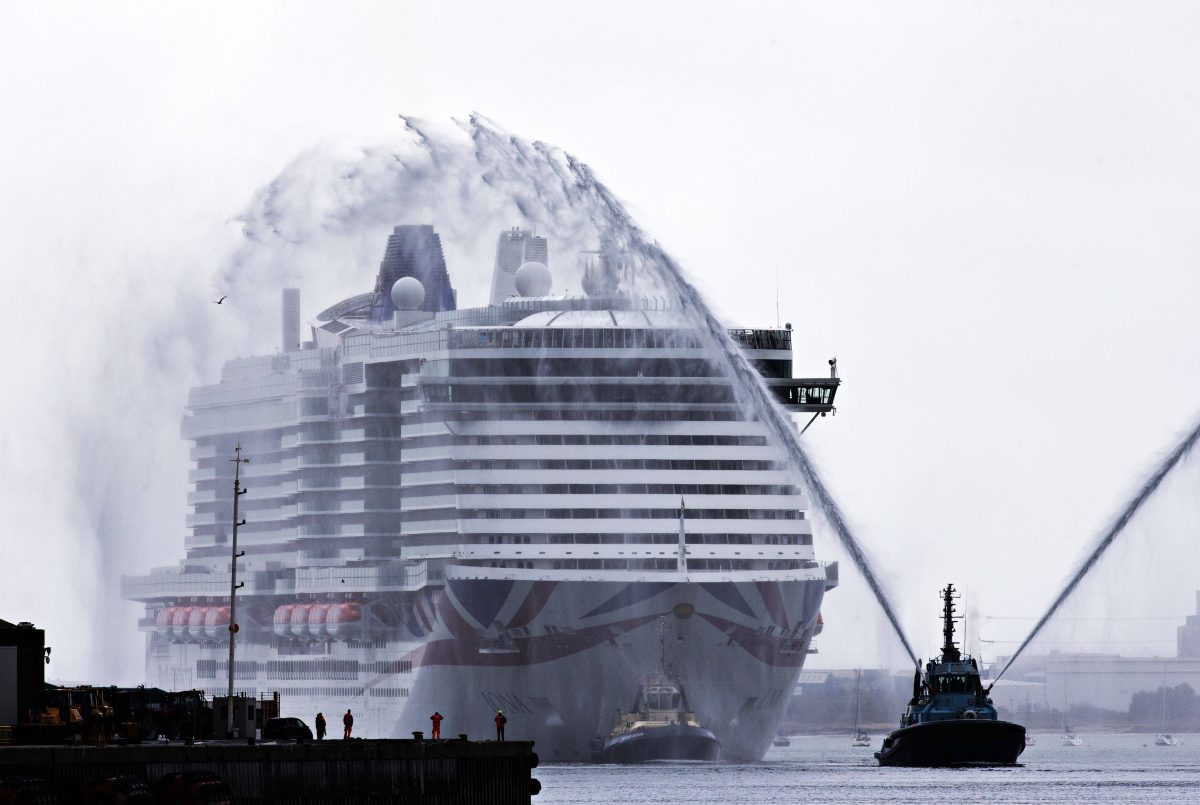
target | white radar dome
x=533, y=279
x=408, y=293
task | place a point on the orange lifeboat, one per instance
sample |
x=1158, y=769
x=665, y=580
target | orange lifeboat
x=216, y=622
x=344, y=621
x=196, y=623
x=163, y=619
x=299, y=621
x=316, y=621
x=179, y=622
x=283, y=620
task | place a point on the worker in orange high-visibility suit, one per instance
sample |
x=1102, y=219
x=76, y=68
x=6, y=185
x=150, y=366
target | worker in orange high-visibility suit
x=501, y=720
x=436, y=718
x=348, y=723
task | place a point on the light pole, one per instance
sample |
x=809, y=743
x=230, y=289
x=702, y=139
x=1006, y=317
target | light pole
x=238, y=461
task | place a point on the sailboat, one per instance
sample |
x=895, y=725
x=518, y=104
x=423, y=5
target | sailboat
x=860, y=736
x=1164, y=738
x=1069, y=738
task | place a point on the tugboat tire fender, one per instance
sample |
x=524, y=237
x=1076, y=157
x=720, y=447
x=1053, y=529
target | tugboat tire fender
x=970, y=714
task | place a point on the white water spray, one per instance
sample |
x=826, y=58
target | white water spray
x=1117, y=527
x=326, y=204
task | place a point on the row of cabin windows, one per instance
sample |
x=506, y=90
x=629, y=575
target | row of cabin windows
x=559, y=393
x=722, y=414
x=321, y=477
x=615, y=464
x=506, y=366
x=649, y=539
x=622, y=489
x=563, y=338
x=652, y=564
x=701, y=440
x=615, y=514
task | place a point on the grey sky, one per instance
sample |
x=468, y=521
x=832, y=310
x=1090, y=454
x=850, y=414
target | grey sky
x=985, y=210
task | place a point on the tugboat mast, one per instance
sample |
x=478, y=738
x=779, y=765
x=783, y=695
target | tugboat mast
x=950, y=652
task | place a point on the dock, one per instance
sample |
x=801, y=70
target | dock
x=354, y=772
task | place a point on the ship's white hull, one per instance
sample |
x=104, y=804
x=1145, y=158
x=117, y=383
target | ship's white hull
x=562, y=658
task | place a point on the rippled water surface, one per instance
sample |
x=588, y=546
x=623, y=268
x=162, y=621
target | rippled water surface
x=1107, y=768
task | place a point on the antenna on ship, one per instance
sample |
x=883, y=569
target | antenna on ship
x=662, y=645
x=681, y=559
x=777, y=319
x=238, y=491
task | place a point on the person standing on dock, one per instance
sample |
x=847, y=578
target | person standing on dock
x=320, y=723
x=348, y=723
x=501, y=720
x=436, y=718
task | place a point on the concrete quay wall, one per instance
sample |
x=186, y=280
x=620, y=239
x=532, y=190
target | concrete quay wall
x=311, y=773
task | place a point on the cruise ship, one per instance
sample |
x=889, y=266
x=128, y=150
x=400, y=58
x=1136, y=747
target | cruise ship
x=467, y=510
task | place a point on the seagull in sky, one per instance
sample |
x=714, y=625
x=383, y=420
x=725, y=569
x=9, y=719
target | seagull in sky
x=222, y=299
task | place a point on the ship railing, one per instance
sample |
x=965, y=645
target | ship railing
x=455, y=571
x=630, y=551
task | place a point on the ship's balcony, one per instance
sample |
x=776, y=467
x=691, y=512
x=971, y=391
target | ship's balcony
x=814, y=395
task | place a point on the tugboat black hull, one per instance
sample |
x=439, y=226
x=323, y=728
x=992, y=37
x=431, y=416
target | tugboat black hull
x=671, y=742
x=956, y=742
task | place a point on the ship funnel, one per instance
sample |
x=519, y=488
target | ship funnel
x=291, y=320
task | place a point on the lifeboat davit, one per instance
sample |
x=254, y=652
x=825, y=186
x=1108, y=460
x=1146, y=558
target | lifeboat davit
x=196, y=619
x=216, y=622
x=316, y=621
x=283, y=620
x=344, y=621
x=299, y=621
x=179, y=622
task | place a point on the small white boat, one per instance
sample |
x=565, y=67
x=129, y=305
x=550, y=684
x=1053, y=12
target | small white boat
x=1070, y=739
x=860, y=737
x=781, y=740
x=1029, y=741
x=1166, y=739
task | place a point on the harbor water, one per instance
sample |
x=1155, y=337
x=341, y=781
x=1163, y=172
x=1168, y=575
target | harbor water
x=1106, y=768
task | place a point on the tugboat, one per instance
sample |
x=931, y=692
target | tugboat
x=659, y=726
x=781, y=740
x=950, y=720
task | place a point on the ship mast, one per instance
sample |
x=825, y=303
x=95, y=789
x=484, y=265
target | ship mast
x=950, y=652
x=238, y=461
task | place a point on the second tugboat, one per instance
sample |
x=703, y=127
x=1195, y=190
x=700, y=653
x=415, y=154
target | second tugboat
x=950, y=720
x=659, y=726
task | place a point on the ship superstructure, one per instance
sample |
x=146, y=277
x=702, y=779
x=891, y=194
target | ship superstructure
x=466, y=510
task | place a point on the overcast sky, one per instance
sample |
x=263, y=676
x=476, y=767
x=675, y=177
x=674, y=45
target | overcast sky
x=986, y=211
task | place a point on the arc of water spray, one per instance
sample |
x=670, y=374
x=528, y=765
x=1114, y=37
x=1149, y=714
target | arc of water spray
x=748, y=381
x=1113, y=531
